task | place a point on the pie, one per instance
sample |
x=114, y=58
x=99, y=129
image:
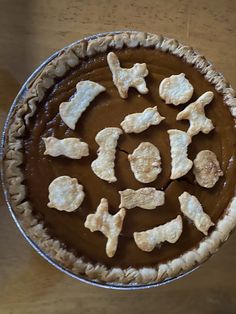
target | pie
x=146, y=119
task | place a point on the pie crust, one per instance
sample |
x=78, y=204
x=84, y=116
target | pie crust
x=13, y=158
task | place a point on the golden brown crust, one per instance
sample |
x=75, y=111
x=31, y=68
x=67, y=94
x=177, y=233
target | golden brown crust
x=67, y=59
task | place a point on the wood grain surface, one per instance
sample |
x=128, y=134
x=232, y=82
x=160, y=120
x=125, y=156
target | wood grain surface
x=29, y=32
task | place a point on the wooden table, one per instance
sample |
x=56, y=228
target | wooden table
x=29, y=32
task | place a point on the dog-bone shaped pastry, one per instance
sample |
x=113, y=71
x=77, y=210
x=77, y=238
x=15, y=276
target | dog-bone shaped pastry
x=196, y=115
x=126, y=78
x=104, y=165
x=191, y=208
x=71, y=110
x=147, y=198
x=141, y=121
x=145, y=162
x=109, y=225
x=149, y=239
x=69, y=147
x=65, y=194
x=180, y=163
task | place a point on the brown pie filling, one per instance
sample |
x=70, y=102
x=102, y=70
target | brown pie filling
x=108, y=110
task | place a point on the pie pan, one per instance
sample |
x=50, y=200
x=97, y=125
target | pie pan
x=19, y=100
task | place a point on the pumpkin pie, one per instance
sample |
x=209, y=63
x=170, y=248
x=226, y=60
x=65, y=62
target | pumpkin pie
x=120, y=163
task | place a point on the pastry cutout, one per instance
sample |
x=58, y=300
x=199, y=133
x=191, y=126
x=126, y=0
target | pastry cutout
x=71, y=110
x=145, y=162
x=149, y=239
x=147, y=198
x=104, y=165
x=191, y=208
x=176, y=89
x=109, y=225
x=195, y=113
x=126, y=78
x=180, y=163
x=65, y=194
x=69, y=147
x=206, y=169
x=141, y=121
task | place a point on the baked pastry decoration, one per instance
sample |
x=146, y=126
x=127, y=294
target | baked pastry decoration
x=108, y=224
x=191, y=208
x=145, y=162
x=71, y=110
x=126, y=78
x=206, y=169
x=104, y=165
x=69, y=147
x=196, y=115
x=170, y=232
x=176, y=89
x=146, y=198
x=177, y=219
x=180, y=163
x=65, y=194
x=139, y=122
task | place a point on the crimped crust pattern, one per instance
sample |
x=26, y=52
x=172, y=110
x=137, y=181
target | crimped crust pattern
x=69, y=58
